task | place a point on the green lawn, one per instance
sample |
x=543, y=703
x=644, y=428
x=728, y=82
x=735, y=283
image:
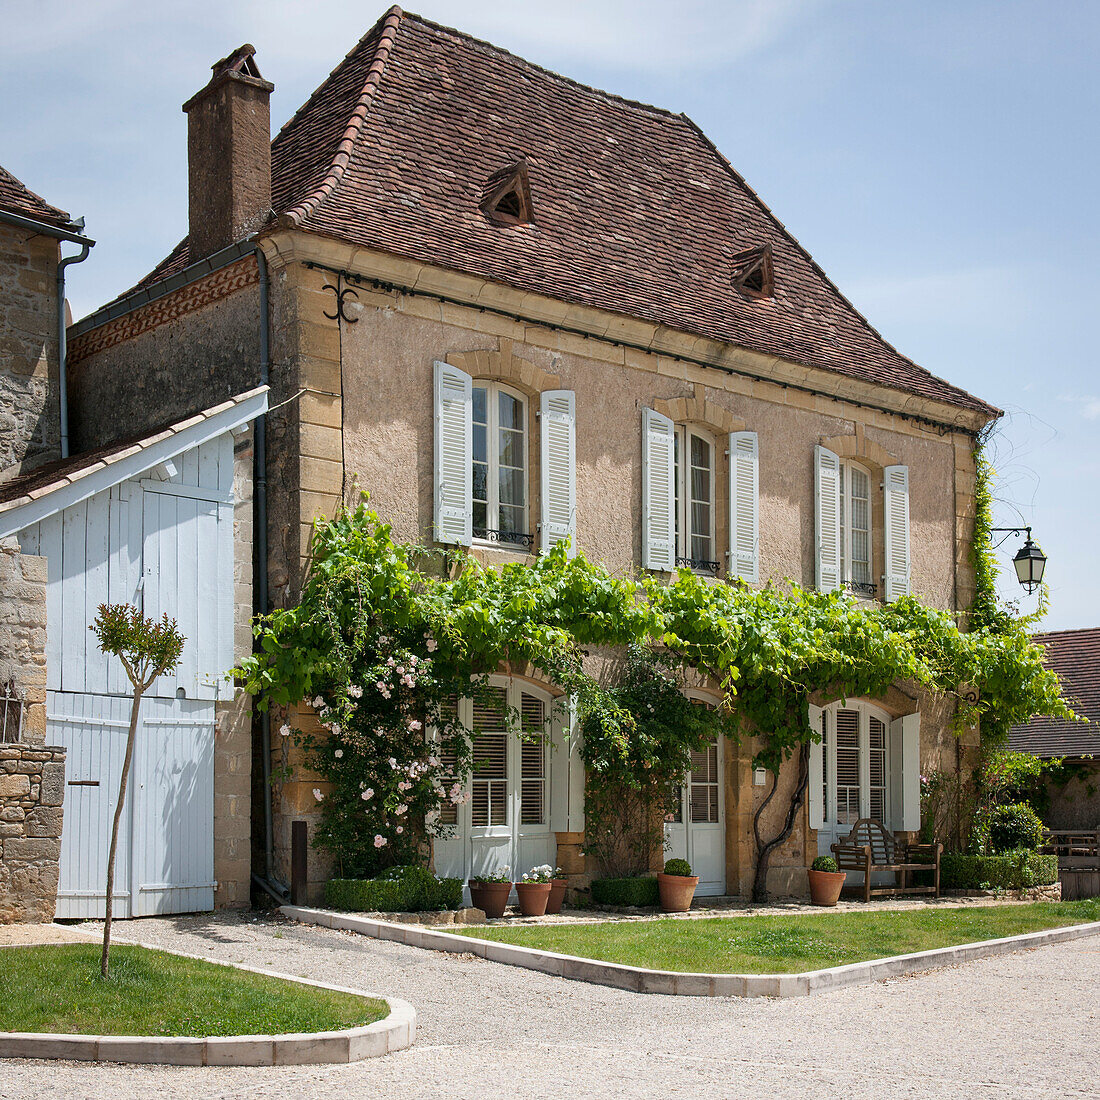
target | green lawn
x=58, y=988
x=787, y=944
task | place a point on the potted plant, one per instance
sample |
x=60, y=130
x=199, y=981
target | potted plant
x=825, y=881
x=490, y=891
x=534, y=890
x=558, y=885
x=676, y=886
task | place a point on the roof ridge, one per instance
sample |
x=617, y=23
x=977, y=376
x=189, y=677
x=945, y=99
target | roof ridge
x=1068, y=630
x=522, y=61
x=698, y=130
x=297, y=214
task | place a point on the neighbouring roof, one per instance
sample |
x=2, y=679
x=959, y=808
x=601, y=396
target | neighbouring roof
x=634, y=210
x=1075, y=656
x=48, y=489
x=16, y=198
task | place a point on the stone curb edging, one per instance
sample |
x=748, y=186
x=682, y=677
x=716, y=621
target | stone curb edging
x=641, y=980
x=396, y=1031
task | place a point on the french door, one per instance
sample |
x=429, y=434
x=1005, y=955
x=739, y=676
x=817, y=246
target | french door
x=505, y=821
x=695, y=823
x=855, y=770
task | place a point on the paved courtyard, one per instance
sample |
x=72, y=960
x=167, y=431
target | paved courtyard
x=1021, y=1025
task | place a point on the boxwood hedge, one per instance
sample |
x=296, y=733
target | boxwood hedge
x=400, y=890
x=625, y=891
x=1008, y=871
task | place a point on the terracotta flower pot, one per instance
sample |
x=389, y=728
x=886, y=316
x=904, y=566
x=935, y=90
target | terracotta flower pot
x=533, y=897
x=557, y=895
x=825, y=886
x=676, y=891
x=490, y=896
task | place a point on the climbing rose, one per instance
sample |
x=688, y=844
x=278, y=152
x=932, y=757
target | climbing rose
x=367, y=794
x=317, y=794
x=415, y=725
x=339, y=752
x=400, y=828
x=379, y=840
x=284, y=730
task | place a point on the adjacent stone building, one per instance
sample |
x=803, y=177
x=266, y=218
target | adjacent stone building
x=518, y=309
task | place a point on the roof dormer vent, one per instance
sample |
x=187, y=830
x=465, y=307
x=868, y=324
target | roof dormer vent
x=752, y=272
x=507, y=198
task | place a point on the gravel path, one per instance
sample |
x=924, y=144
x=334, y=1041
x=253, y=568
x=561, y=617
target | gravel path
x=1021, y=1025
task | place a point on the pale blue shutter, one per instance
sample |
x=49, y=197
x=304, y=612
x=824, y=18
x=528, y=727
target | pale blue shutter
x=454, y=510
x=557, y=417
x=658, y=492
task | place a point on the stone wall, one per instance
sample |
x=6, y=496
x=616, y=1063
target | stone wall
x=233, y=741
x=32, y=792
x=30, y=416
x=23, y=636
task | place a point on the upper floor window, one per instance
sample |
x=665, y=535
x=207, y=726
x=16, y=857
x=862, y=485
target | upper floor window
x=845, y=554
x=499, y=453
x=694, y=500
x=482, y=443
x=855, y=529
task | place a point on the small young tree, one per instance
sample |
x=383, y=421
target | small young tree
x=147, y=649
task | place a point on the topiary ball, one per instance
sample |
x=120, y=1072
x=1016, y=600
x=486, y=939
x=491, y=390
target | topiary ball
x=679, y=867
x=1014, y=826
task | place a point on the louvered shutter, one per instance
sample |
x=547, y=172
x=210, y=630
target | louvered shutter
x=896, y=490
x=658, y=492
x=815, y=791
x=744, y=506
x=558, y=419
x=827, y=494
x=454, y=512
x=905, y=772
x=532, y=761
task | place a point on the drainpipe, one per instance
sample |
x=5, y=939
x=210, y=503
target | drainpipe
x=268, y=882
x=60, y=233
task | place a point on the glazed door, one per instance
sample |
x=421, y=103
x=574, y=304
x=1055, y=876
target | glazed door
x=695, y=826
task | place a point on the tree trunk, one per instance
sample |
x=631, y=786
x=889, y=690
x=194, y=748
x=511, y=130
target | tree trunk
x=764, y=848
x=131, y=738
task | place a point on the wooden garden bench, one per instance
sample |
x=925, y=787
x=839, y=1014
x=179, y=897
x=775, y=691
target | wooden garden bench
x=869, y=847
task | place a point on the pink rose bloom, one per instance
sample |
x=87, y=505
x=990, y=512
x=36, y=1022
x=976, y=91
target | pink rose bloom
x=379, y=840
x=401, y=809
x=400, y=829
x=415, y=725
x=317, y=794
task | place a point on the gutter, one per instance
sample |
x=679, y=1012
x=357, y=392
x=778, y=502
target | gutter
x=60, y=234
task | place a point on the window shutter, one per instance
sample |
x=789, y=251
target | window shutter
x=454, y=511
x=744, y=506
x=658, y=492
x=827, y=492
x=896, y=490
x=558, y=419
x=815, y=791
x=905, y=772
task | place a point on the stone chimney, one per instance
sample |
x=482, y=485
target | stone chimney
x=228, y=155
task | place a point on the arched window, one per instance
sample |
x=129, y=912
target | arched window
x=855, y=529
x=499, y=454
x=694, y=482
x=855, y=767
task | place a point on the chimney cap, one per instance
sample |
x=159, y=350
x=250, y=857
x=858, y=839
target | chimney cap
x=239, y=65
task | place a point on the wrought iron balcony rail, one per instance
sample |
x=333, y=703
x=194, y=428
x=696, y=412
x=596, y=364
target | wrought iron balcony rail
x=699, y=565
x=512, y=538
x=861, y=588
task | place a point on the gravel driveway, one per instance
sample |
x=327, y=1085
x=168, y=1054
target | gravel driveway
x=488, y=1030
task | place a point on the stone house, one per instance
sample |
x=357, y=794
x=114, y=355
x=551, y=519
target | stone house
x=160, y=519
x=1075, y=656
x=517, y=309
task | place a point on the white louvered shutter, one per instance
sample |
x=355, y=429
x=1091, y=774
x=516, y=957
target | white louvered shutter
x=744, y=506
x=905, y=772
x=896, y=490
x=658, y=492
x=827, y=494
x=454, y=510
x=815, y=791
x=558, y=419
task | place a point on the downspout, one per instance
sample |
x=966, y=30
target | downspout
x=60, y=234
x=268, y=882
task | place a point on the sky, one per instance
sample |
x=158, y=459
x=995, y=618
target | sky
x=938, y=158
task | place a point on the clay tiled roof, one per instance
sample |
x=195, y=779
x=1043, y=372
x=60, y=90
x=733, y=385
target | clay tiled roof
x=17, y=199
x=1075, y=656
x=634, y=210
